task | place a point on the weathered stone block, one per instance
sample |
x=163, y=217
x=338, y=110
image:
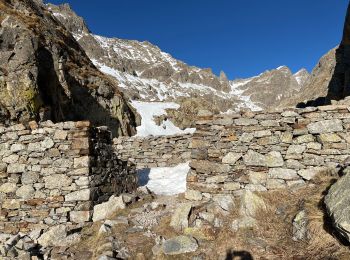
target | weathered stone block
x=325, y=126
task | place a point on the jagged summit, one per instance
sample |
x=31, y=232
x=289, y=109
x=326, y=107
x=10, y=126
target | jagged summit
x=145, y=72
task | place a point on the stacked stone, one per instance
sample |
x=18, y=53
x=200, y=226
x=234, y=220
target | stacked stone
x=267, y=150
x=150, y=152
x=46, y=175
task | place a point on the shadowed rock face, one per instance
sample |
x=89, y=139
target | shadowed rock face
x=331, y=78
x=45, y=74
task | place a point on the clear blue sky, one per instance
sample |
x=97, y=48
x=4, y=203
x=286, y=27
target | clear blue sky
x=241, y=37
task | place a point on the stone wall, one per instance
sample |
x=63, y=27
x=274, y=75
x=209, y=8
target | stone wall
x=150, y=152
x=267, y=151
x=55, y=173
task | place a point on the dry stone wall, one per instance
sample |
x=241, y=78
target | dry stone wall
x=267, y=151
x=150, y=152
x=55, y=173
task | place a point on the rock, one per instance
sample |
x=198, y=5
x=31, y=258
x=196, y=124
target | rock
x=337, y=203
x=300, y=226
x=11, y=204
x=16, y=168
x=47, y=143
x=284, y=174
x=325, y=126
x=57, y=181
x=225, y=202
x=193, y=195
x=13, y=158
x=254, y=159
x=104, y=210
x=8, y=187
x=310, y=173
x=179, y=219
x=272, y=159
x=296, y=149
x=329, y=138
x=53, y=236
x=231, y=158
x=79, y=216
x=25, y=192
x=81, y=195
x=251, y=204
x=179, y=245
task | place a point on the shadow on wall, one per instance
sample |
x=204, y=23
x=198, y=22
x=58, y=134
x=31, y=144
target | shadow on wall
x=143, y=176
x=239, y=255
x=339, y=86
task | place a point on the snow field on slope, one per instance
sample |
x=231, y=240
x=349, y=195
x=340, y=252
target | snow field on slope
x=165, y=180
x=149, y=110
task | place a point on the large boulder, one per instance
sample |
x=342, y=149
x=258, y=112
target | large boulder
x=337, y=203
x=45, y=74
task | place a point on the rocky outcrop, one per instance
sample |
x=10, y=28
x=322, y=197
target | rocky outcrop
x=45, y=74
x=337, y=203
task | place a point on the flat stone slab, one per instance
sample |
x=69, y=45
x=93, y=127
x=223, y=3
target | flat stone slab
x=179, y=245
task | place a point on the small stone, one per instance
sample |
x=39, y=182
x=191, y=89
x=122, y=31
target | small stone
x=225, y=202
x=284, y=174
x=82, y=195
x=57, y=181
x=296, y=149
x=231, y=158
x=79, y=216
x=47, y=143
x=310, y=173
x=325, y=126
x=53, y=236
x=60, y=135
x=232, y=186
x=289, y=114
x=246, y=137
x=17, y=148
x=16, y=168
x=11, y=204
x=179, y=245
x=179, y=219
x=13, y=158
x=193, y=195
x=329, y=138
x=25, y=192
x=300, y=223
x=251, y=204
x=82, y=162
x=104, y=210
x=8, y=187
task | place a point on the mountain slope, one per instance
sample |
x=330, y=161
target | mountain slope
x=146, y=73
x=44, y=73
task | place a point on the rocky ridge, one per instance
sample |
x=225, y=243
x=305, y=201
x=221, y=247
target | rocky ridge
x=144, y=72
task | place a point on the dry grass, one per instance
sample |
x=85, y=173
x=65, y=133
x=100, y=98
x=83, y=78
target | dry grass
x=273, y=233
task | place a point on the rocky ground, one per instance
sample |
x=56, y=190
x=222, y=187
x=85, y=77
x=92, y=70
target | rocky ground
x=278, y=225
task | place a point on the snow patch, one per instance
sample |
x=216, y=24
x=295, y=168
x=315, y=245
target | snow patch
x=165, y=180
x=148, y=112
